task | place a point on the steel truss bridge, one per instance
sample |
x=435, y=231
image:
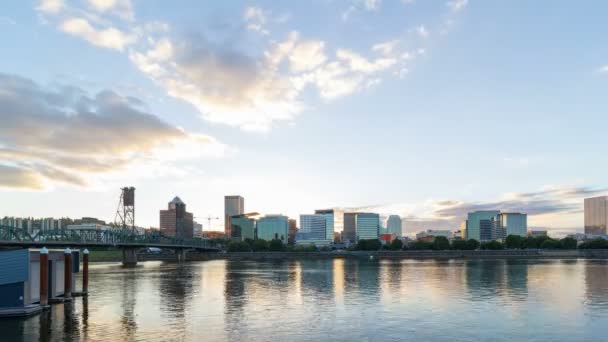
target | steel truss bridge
x=115, y=237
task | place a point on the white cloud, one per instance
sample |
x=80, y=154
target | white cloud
x=64, y=135
x=307, y=55
x=457, y=5
x=256, y=20
x=50, y=6
x=110, y=38
x=357, y=62
x=603, y=69
x=122, y=8
x=372, y=5
x=422, y=31
x=386, y=48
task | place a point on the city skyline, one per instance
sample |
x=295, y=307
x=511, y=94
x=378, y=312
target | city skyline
x=426, y=110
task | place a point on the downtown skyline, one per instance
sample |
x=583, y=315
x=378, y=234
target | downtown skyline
x=427, y=110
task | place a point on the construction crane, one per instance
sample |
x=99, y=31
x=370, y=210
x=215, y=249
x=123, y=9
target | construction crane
x=209, y=219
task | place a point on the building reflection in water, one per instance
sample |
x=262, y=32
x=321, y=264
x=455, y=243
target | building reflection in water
x=128, y=320
x=177, y=287
x=596, y=284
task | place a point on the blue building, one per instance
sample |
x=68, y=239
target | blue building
x=367, y=226
x=313, y=230
x=273, y=227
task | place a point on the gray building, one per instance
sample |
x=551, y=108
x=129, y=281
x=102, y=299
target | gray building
x=349, y=234
x=394, y=225
x=313, y=230
x=368, y=226
x=596, y=215
x=233, y=206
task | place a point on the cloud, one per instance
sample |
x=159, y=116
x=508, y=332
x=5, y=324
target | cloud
x=422, y=31
x=63, y=135
x=307, y=55
x=603, y=69
x=372, y=5
x=111, y=37
x=556, y=207
x=457, y=5
x=256, y=20
x=122, y=8
x=50, y=6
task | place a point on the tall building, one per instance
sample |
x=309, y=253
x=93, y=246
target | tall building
x=197, y=230
x=293, y=230
x=233, y=206
x=596, y=215
x=176, y=221
x=513, y=224
x=272, y=227
x=367, y=226
x=335, y=221
x=242, y=227
x=349, y=234
x=313, y=230
x=394, y=225
x=474, y=224
x=463, y=230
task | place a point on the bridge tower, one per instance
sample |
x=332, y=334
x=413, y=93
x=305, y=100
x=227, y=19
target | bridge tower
x=125, y=214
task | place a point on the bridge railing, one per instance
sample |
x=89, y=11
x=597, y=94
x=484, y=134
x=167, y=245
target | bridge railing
x=100, y=236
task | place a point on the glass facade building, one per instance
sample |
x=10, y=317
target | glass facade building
x=233, y=206
x=242, y=228
x=271, y=227
x=394, y=225
x=367, y=226
x=474, y=224
x=349, y=234
x=335, y=221
x=513, y=224
x=313, y=230
x=596, y=215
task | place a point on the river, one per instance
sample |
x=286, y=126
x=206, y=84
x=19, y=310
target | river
x=326, y=300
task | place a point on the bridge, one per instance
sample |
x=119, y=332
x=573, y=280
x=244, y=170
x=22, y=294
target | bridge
x=125, y=239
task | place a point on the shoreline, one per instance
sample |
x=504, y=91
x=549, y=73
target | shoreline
x=415, y=255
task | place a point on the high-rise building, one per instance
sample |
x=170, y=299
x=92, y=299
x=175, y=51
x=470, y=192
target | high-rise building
x=293, y=230
x=596, y=215
x=176, y=221
x=474, y=224
x=313, y=230
x=242, y=227
x=273, y=227
x=512, y=224
x=197, y=230
x=233, y=206
x=394, y=225
x=335, y=221
x=367, y=226
x=463, y=230
x=349, y=234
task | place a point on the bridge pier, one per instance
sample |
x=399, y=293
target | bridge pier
x=180, y=254
x=129, y=257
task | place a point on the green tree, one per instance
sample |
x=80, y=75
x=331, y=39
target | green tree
x=276, y=245
x=260, y=245
x=529, y=242
x=598, y=243
x=459, y=245
x=421, y=245
x=568, y=243
x=472, y=244
x=513, y=242
x=441, y=243
x=492, y=245
x=238, y=246
x=396, y=245
x=550, y=244
x=368, y=245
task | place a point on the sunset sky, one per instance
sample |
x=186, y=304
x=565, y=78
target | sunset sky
x=426, y=109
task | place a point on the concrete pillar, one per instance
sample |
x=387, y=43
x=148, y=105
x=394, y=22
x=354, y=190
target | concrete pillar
x=44, y=277
x=67, y=273
x=85, y=272
x=129, y=256
x=181, y=254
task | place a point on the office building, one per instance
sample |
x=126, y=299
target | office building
x=474, y=224
x=463, y=230
x=394, y=225
x=313, y=230
x=273, y=227
x=596, y=215
x=233, y=206
x=197, y=229
x=242, y=227
x=176, y=221
x=512, y=224
x=335, y=221
x=349, y=234
x=367, y=226
x=293, y=230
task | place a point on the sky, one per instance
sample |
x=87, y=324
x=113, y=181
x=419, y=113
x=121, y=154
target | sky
x=425, y=109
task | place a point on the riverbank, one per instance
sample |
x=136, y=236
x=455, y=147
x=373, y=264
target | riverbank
x=420, y=254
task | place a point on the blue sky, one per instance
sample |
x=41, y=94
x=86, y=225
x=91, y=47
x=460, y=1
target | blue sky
x=426, y=109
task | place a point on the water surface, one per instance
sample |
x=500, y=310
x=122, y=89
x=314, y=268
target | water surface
x=319, y=300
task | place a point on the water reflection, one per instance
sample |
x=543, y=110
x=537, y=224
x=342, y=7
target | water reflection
x=332, y=299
